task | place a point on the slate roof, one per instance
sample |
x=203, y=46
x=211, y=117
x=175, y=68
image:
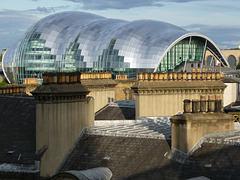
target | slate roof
x=212, y=160
x=217, y=158
x=119, y=110
x=124, y=156
x=134, y=151
x=126, y=149
x=17, y=129
x=115, y=113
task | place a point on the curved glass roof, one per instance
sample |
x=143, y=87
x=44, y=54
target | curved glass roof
x=73, y=41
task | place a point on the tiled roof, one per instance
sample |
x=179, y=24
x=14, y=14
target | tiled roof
x=17, y=129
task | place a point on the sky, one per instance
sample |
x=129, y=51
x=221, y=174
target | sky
x=218, y=19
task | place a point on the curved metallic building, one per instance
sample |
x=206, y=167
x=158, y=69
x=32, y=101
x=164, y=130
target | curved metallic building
x=77, y=41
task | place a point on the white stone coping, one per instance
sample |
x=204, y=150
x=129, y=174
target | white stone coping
x=144, y=127
x=159, y=119
x=123, y=103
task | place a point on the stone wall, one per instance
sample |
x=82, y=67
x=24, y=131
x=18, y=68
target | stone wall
x=123, y=89
x=102, y=94
x=164, y=96
x=230, y=93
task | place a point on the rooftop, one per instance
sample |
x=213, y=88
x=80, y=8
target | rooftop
x=131, y=149
x=141, y=151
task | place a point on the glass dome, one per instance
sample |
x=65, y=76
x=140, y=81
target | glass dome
x=77, y=41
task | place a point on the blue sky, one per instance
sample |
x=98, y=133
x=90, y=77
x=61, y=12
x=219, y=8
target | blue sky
x=218, y=19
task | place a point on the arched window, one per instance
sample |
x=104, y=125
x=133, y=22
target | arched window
x=210, y=61
x=238, y=65
x=232, y=61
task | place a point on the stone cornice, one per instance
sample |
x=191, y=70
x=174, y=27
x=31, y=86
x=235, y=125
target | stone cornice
x=60, y=98
x=179, y=90
x=125, y=81
x=178, y=87
x=99, y=87
x=201, y=118
x=177, y=84
x=60, y=93
x=99, y=84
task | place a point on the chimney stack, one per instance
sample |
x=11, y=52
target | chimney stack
x=62, y=112
x=188, y=128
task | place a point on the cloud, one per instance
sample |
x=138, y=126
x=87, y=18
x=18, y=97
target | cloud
x=13, y=25
x=113, y=4
x=123, y=4
x=182, y=1
x=45, y=9
x=226, y=36
x=48, y=10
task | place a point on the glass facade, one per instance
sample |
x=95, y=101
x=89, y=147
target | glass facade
x=77, y=41
x=189, y=49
